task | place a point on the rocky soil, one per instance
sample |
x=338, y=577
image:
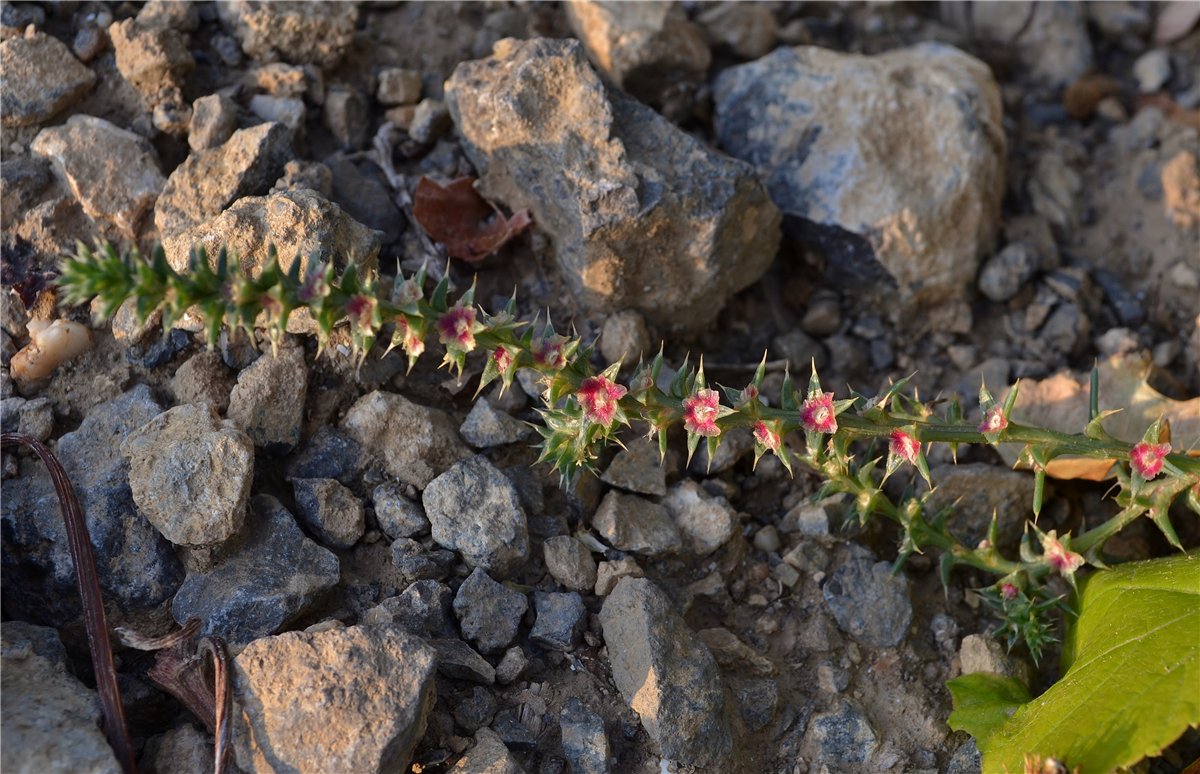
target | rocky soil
x=987, y=191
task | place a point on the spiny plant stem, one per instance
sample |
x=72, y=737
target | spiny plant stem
x=583, y=408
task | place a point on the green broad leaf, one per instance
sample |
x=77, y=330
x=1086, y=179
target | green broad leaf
x=984, y=702
x=1131, y=674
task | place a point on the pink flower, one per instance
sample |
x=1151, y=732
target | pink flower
x=455, y=328
x=548, y=351
x=1147, y=458
x=817, y=414
x=1056, y=554
x=1008, y=591
x=748, y=396
x=905, y=446
x=766, y=436
x=361, y=310
x=502, y=358
x=410, y=338
x=994, y=420
x=407, y=292
x=314, y=286
x=599, y=397
x=700, y=413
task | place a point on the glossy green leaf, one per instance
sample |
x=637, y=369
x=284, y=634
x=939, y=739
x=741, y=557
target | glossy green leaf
x=983, y=703
x=1131, y=674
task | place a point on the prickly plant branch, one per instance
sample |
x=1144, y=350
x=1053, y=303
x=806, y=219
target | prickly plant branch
x=583, y=408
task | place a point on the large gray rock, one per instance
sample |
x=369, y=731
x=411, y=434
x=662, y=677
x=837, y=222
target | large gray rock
x=976, y=490
x=268, y=401
x=112, y=172
x=248, y=163
x=137, y=566
x=632, y=523
x=347, y=699
x=644, y=48
x=705, y=522
x=666, y=674
x=642, y=215
x=424, y=609
x=474, y=509
x=414, y=443
x=190, y=473
x=51, y=721
x=269, y=579
x=296, y=32
x=837, y=138
x=41, y=79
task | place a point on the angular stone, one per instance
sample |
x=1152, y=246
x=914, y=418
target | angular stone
x=180, y=750
x=399, y=86
x=51, y=721
x=398, y=516
x=560, y=619
x=570, y=563
x=209, y=181
x=140, y=570
x=868, y=602
x=705, y=522
x=474, y=509
x=190, y=473
x=346, y=117
x=113, y=173
x=41, y=79
x=416, y=562
x=330, y=510
x=488, y=756
x=488, y=612
x=373, y=685
x=645, y=48
x=485, y=426
x=609, y=574
x=666, y=674
x=268, y=401
x=642, y=215
x=214, y=120
x=153, y=59
x=842, y=736
x=976, y=490
x=330, y=453
x=632, y=523
x=296, y=32
x=416, y=444
x=840, y=159
x=268, y=580
x=458, y=661
x=203, y=378
x=637, y=468
x=424, y=608
x=583, y=739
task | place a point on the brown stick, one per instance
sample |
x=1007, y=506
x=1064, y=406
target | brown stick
x=79, y=543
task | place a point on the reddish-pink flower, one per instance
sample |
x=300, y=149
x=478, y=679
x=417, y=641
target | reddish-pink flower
x=1008, y=591
x=994, y=420
x=410, y=338
x=905, y=446
x=599, y=397
x=748, y=395
x=817, y=414
x=1058, y=556
x=1147, y=458
x=456, y=328
x=502, y=358
x=407, y=292
x=766, y=436
x=548, y=351
x=361, y=310
x=700, y=413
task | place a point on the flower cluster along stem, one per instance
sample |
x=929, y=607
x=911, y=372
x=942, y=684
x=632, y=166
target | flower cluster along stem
x=585, y=407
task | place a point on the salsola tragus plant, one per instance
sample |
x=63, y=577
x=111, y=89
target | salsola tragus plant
x=585, y=407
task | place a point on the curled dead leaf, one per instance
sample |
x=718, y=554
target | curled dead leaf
x=470, y=226
x=1060, y=402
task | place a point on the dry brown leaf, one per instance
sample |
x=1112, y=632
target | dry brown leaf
x=470, y=226
x=1060, y=402
x=1081, y=97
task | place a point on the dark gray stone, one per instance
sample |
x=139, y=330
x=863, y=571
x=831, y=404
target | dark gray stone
x=570, y=563
x=330, y=510
x=1006, y=272
x=584, y=742
x=415, y=562
x=398, y=516
x=458, y=661
x=488, y=612
x=137, y=566
x=486, y=426
x=868, y=602
x=330, y=453
x=476, y=709
x=424, y=608
x=515, y=734
x=757, y=700
x=841, y=737
x=560, y=619
x=264, y=583
x=365, y=198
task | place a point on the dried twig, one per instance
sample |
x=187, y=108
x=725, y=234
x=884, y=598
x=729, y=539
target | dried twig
x=79, y=543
